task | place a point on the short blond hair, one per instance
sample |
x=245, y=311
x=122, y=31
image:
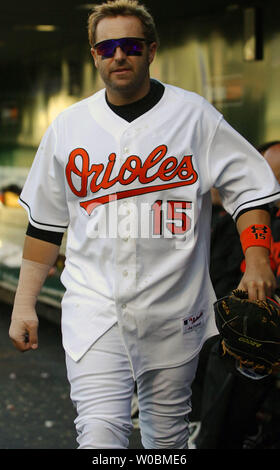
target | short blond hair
x=112, y=8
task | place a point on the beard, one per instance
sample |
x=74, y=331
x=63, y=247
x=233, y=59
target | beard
x=129, y=84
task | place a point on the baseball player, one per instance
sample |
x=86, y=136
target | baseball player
x=127, y=172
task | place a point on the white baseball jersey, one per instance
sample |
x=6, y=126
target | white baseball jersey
x=135, y=199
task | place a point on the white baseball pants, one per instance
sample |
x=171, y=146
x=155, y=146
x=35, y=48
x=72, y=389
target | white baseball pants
x=102, y=387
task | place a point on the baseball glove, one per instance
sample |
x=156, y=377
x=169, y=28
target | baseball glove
x=249, y=332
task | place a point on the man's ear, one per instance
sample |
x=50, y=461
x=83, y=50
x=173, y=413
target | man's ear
x=94, y=55
x=152, y=51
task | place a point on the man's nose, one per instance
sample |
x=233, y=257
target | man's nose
x=119, y=54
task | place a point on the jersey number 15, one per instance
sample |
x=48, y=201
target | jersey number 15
x=177, y=222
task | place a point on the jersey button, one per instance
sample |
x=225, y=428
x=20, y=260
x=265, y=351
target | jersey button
x=123, y=306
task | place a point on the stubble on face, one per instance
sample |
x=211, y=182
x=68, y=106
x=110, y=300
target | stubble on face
x=121, y=77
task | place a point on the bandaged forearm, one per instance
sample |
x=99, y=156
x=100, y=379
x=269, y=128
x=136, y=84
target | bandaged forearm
x=31, y=279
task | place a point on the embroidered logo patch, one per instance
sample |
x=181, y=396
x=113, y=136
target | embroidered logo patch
x=192, y=322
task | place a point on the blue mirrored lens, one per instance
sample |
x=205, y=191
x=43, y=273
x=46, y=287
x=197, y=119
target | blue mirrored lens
x=130, y=46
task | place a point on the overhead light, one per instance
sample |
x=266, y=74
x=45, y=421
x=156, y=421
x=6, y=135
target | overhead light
x=86, y=6
x=233, y=7
x=45, y=28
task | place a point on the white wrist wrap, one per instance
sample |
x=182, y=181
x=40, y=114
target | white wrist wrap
x=31, y=279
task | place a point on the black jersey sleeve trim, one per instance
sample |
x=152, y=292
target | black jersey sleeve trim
x=268, y=198
x=264, y=207
x=45, y=235
x=64, y=227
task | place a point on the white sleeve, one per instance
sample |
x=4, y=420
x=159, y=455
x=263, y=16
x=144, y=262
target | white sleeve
x=240, y=173
x=43, y=194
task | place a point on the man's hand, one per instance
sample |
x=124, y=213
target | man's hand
x=24, y=332
x=258, y=279
x=38, y=259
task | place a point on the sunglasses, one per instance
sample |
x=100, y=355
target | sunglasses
x=130, y=46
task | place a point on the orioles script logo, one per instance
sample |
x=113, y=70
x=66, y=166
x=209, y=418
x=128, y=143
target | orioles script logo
x=159, y=168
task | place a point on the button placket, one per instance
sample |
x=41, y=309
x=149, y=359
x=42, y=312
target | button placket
x=125, y=250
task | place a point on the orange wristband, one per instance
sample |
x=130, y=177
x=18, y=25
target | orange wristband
x=256, y=235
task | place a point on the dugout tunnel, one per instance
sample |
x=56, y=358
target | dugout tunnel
x=227, y=51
